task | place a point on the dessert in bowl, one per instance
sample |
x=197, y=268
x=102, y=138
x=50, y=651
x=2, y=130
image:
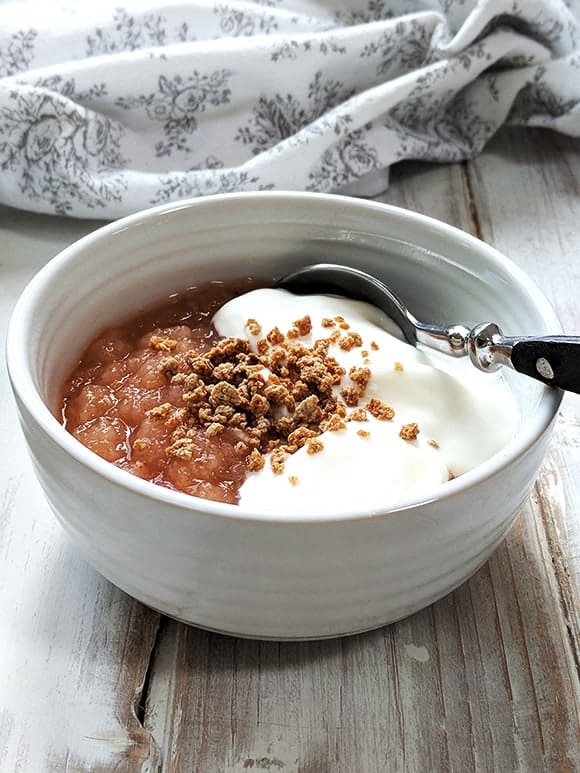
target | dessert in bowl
x=283, y=571
x=300, y=403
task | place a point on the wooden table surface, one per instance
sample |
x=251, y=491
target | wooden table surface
x=487, y=679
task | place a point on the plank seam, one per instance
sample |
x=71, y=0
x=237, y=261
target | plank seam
x=142, y=698
x=472, y=212
x=560, y=573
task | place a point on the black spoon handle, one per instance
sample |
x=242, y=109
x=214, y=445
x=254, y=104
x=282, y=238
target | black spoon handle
x=554, y=360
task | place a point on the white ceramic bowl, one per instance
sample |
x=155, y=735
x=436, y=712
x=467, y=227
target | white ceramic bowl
x=221, y=566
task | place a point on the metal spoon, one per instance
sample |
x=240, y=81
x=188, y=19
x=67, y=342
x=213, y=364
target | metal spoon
x=553, y=360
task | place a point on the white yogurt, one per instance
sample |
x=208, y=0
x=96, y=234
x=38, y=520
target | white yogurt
x=470, y=415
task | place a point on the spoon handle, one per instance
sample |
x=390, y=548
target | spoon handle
x=553, y=360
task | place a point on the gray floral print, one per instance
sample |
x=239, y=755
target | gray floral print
x=404, y=47
x=65, y=155
x=234, y=21
x=16, y=54
x=349, y=159
x=278, y=117
x=176, y=104
x=129, y=34
x=203, y=180
x=128, y=105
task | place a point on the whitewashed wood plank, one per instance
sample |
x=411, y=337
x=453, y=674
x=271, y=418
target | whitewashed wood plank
x=541, y=232
x=74, y=650
x=533, y=216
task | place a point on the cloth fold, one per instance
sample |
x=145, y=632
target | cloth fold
x=108, y=109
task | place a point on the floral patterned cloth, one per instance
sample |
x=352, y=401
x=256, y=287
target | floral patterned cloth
x=110, y=107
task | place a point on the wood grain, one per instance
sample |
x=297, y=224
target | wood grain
x=74, y=650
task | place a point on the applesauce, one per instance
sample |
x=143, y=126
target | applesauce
x=108, y=399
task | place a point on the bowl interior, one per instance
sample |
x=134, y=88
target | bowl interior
x=442, y=274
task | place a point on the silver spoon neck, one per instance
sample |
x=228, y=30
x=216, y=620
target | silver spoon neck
x=488, y=348
x=449, y=339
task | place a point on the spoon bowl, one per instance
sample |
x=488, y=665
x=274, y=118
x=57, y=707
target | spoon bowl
x=553, y=360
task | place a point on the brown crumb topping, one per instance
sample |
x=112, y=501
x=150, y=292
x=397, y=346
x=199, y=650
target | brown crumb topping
x=160, y=411
x=293, y=479
x=213, y=429
x=169, y=366
x=255, y=461
x=361, y=377
x=380, y=410
x=182, y=448
x=275, y=336
x=409, y=431
x=433, y=443
x=254, y=327
x=359, y=414
x=273, y=401
x=303, y=326
x=314, y=446
x=374, y=346
x=333, y=424
x=398, y=366
x=351, y=396
x=278, y=461
x=349, y=341
x=161, y=344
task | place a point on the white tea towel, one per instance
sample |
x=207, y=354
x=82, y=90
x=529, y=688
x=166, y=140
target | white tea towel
x=110, y=107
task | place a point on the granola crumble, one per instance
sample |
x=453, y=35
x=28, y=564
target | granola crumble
x=254, y=327
x=303, y=325
x=409, y=431
x=314, y=446
x=359, y=414
x=380, y=410
x=161, y=344
x=277, y=413
x=349, y=341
